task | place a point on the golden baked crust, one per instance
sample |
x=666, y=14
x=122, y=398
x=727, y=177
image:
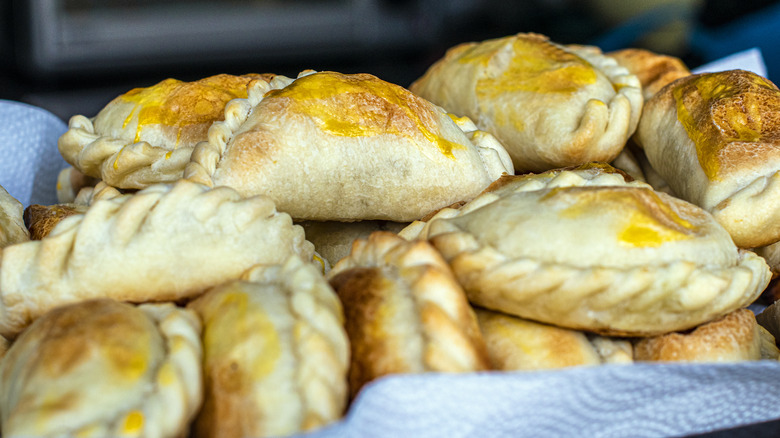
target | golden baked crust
x=549, y=105
x=146, y=136
x=167, y=242
x=614, y=260
x=12, y=229
x=275, y=353
x=653, y=70
x=41, y=219
x=330, y=146
x=519, y=344
x=405, y=312
x=103, y=368
x=715, y=138
x=732, y=338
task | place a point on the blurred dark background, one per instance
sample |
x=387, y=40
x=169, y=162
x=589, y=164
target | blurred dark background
x=73, y=56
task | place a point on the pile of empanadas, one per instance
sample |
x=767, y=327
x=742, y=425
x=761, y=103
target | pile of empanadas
x=241, y=255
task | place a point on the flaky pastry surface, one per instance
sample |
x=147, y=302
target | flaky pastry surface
x=405, y=312
x=715, y=139
x=613, y=260
x=103, y=368
x=166, y=242
x=549, y=105
x=146, y=136
x=275, y=353
x=330, y=146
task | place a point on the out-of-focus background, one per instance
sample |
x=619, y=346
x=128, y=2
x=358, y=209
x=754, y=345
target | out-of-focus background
x=73, y=56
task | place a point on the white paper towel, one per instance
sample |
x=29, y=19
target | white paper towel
x=29, y=159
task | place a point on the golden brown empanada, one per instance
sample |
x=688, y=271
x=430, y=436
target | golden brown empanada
x=732, y=338
x=275, y=354
x=519, y=344
x=41, y=219
x=549, y=105
x=166, y=242
x=146, y=136
x=404, y=310
x=621, y=260
x=715, y=139
x=653, y=70
x=102, y=368
x=330, y=146
x=12, y=228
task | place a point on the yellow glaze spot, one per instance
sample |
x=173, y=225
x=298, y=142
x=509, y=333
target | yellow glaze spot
x=179, y=104
x=168, y=154
x=116, y=160
x=166, y=376
x=374, y=107
x=535, y=66
x=234, y=318
x=59, y=185
x=317, y=259
x=645, y=219
x=134, y=422
x=741, y=122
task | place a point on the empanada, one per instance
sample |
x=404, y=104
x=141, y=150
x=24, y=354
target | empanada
x=69, y=182
x=102, y=368
x=275, y=354
x=715, y=139
x=12, y=228
x=333, y=240
x=405, y=312
x=549, y=105
x=618, y=260
x=653, y=70
x=519, y=344
x=732, y=338
x=330, y=146
x=146, y=136
x=41, y=219
x=166, y=242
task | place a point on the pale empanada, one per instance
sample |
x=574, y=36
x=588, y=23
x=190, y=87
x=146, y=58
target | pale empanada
x=549, y=105
x=715, y=139
x=69, y=182
x=147, y=135
x=102, y=368
x=275, y=354
x=653, y=70
x=167, y=242
x=333, y=240
x=616, y=260
x=12, y=228
x=733, y=338
x=404, y=311
x=330, y=146
x=519, y=344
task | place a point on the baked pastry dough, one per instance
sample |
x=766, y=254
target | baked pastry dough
x=147, y=135
x=275, y=354
x=330, y=146
x=519, y=344
x=732, y=338
x=333, y=240
x=69, y=182
x=715, y=138
x=167, y=242
x=12, y=228
x=653, y=70
x=103, y=368
x=405, y=312
x=615, y=260
x=549, y=105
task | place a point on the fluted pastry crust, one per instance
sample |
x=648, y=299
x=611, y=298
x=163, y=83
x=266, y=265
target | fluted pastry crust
x=733, y=338
x=12, y=228
x=167, y=242
x=329, y=146
x=146, y=136
x=549, y=105
x=103, y=368
x=405, y=312
x=612, y=260
x=519, y=344
x=715, y=138
x=275, y=353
